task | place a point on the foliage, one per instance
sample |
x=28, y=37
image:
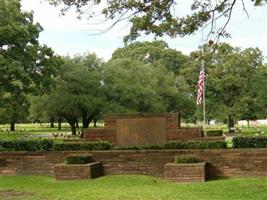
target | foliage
x=196, y=145
x=27, y=145
x=154, y=53
x=2, y=148
x=50, y=145
x=179, y=145
x=214, y=133
x=14, y=108
x=78, y=159
x=37, y=109
x=250, y=142
x=186, y=159
x=132, y=187
x=132, y=86
x=88, y=146
x=26, y=67
x=78, y=91
x=231, y=77
x=159, y=17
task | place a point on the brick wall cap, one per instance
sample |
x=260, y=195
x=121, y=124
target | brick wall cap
x=98, y=129
x=186, y=164
x=122, y=115
x=77, y=165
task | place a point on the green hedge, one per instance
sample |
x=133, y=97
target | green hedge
x=78, y=159
x=27, y=145
x=250, y=142
x=196, y=145
x=180, y=145
x=2, y=148
x=88, y=146
x=214, y=133
x=49, y=145
x=186, y=159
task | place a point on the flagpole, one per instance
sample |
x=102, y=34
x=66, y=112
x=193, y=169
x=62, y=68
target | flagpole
x=204, y=99
x=204, y=102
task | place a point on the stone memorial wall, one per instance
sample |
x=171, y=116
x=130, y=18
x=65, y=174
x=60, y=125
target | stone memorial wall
x=142, y=129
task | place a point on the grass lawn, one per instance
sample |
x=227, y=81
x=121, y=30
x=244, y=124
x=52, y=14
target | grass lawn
x=129, y=187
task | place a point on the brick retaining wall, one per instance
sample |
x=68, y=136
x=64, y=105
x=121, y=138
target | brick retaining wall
x=223, y=162
x=185, y=172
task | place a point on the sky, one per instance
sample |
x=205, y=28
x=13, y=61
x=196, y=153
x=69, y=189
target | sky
x=67, y=35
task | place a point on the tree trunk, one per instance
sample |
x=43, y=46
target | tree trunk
x=95, y=121
x=179, y=120
x=231, y=127
x=195, y=120
x=52, y=120
x=59, y=122
x=248, y=123
x=77, y=124
x=86, y=120
x=12, y=126
x=73, y=128
x=71, y=119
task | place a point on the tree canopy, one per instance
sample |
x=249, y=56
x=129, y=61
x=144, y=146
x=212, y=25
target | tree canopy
x=156, y=53
x=26, y=67
x=78, y=92
x=158, y=17
x=234, y=81
x=132, y=86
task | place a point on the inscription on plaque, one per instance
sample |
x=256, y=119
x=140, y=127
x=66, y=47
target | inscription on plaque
x=141, y=131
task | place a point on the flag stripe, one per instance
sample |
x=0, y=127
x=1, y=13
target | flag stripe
x=200, y=86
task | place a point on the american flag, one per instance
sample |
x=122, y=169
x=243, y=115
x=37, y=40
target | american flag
x=200, y=85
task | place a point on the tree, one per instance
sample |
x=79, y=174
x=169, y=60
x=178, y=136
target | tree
x=158, y=16
x=257, y=100
x=25, y=66
x=132, y=86
x=230, y=76
x=155, y=53
x=95, y=101
x=14, y=109
x=77, y=93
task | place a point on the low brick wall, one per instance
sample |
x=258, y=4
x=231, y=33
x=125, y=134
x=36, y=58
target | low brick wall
x=221, y=162
x=78, y=171
x=188, y=172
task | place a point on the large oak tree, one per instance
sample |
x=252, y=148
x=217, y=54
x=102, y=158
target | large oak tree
x=158, y=17
x=26, y=67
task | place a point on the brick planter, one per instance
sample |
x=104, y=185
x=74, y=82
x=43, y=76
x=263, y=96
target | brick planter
x=185, y=172
x=78, y=171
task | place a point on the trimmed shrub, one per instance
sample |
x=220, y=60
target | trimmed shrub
x=186, y=159
x=2, y=148
x=88, y=146
x=174, y=145
x=27, y=145
x=214, y=133
x=250, y=142
x=78, y=160
x=196, y=145
x=180, y=145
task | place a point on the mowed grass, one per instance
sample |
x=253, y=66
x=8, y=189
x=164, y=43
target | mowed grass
x=130, y=187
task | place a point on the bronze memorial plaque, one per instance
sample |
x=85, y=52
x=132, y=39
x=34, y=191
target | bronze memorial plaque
x=141, y=131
